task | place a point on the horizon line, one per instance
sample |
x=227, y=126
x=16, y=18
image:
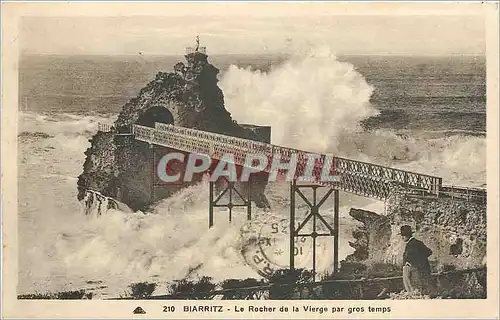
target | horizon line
x=253, y=54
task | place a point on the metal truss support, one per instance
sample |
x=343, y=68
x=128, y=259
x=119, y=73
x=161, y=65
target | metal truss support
x=232, y=192
x=315, y=217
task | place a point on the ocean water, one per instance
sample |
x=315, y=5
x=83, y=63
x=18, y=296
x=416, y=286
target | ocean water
x=425, y=114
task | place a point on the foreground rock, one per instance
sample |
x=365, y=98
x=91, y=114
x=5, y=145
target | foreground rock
x=454, y=229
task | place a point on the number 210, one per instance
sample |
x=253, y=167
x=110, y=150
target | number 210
x=168, y=308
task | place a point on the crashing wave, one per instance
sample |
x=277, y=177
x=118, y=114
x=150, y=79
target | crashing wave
x=97, y=204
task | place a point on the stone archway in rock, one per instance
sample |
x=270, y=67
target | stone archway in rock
x=155, y=114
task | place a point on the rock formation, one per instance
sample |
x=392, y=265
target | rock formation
x=372, y=236
x=120, y=167
x=455, y=230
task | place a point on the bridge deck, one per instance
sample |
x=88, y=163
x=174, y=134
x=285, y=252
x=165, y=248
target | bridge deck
x=357, y=177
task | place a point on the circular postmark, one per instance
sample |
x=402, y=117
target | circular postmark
x=266, y=245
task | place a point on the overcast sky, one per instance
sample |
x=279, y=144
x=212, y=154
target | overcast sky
x=344, y=34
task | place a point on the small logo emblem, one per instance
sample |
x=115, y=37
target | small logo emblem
x=139, y=310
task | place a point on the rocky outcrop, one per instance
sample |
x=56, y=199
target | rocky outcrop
x=371, y=237
x=454, y=229
x=120, y=167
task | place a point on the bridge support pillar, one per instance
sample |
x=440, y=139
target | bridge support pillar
x=315, y=217
x=233, y=194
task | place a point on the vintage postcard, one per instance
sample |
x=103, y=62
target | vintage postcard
x=249, y=160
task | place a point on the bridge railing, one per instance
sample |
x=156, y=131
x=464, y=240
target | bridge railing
x=359, y=177
x=217, y=145
x=429, y=183
x=469, y=194
x=143, y=133
x=104, y=127
x=476, y=195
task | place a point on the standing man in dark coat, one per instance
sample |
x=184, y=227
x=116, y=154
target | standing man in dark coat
x=416, y=267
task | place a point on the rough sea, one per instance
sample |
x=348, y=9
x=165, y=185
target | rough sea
x=424, y=114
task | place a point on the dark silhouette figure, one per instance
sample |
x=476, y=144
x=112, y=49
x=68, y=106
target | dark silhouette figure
x=416, y=267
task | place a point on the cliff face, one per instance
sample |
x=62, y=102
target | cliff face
x=371, y=237
x=120, y=167
x=455, y=230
